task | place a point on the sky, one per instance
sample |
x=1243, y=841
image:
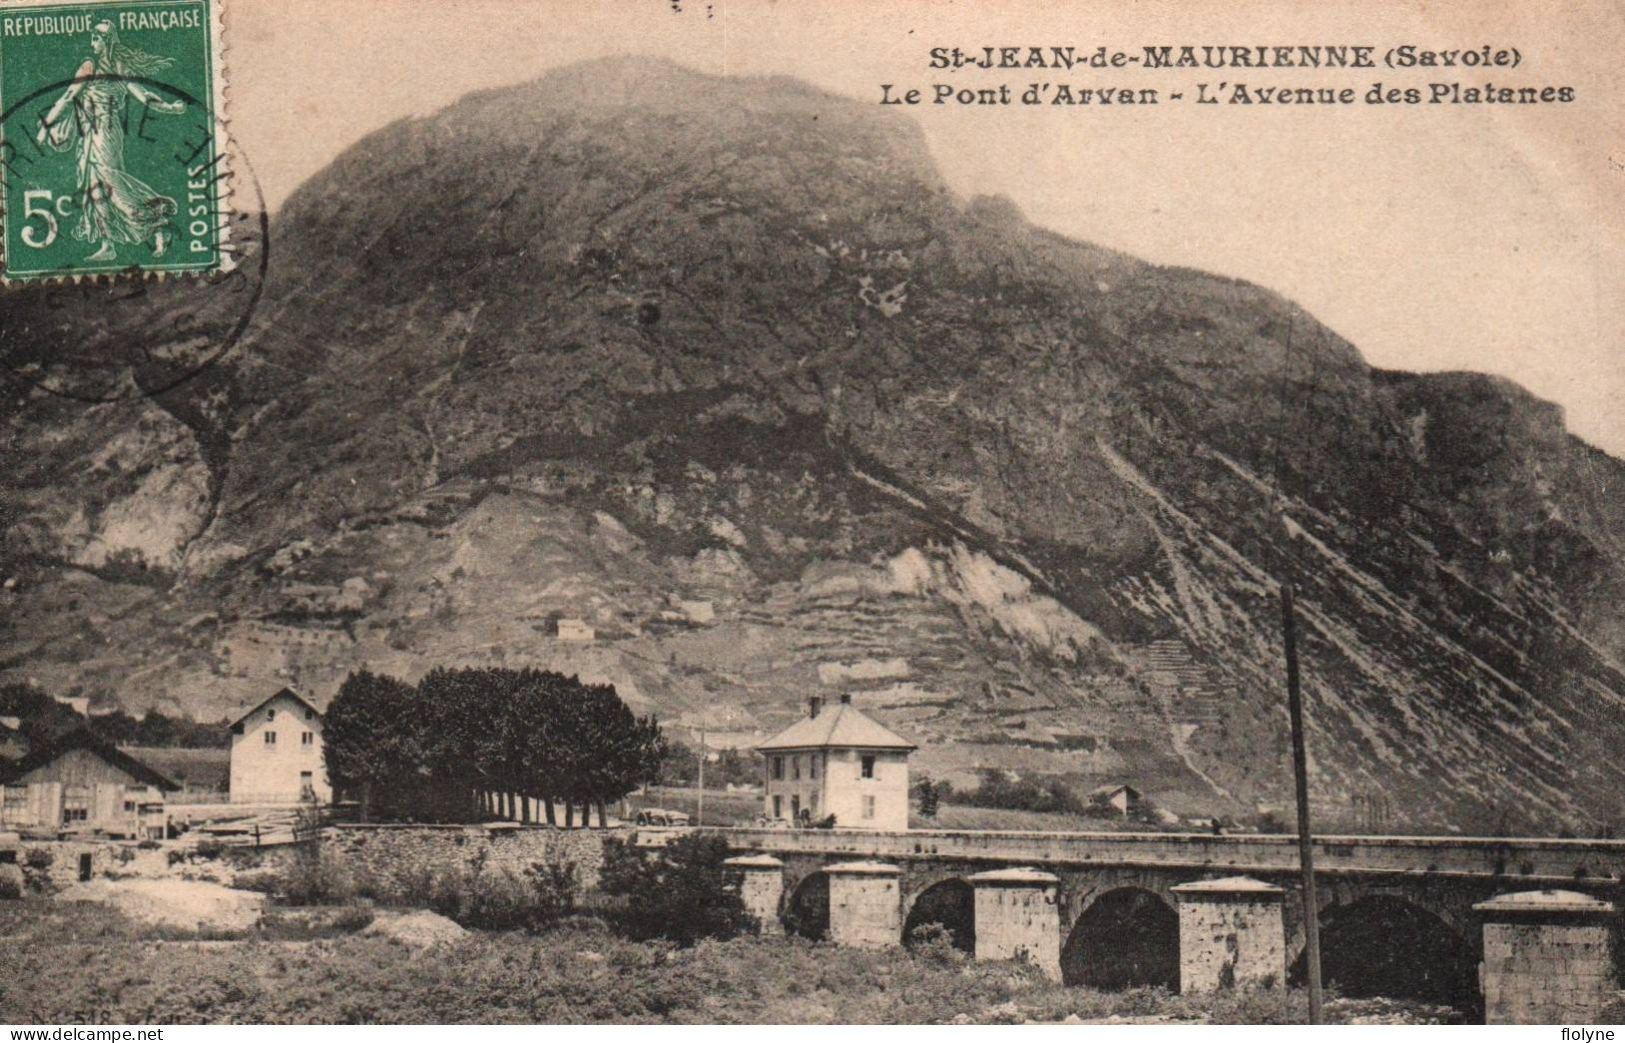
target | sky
x=1439, y=237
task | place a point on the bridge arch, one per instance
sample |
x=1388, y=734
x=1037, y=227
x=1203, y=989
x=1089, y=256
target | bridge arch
x=1385, y=944
x=1125, y=936
x=951, y=903
x=806, y=910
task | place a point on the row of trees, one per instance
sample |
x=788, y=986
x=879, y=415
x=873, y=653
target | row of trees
x=441, y=749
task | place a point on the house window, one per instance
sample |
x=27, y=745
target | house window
x=270, y=715
x=778, y=769
x=129, y=806
x=307, y=739
x=868, y=805
x=866, y=769
x=270, y=738
x=307, y=783
x=75, y=803
x=795, y=767
x=812, y=766
x=310, y=715
x=778, y=807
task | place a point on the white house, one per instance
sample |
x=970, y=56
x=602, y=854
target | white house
x=838, y=762
x=276, y=753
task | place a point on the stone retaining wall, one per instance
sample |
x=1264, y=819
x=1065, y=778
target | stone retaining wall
x=389, y=850
x=107, y=858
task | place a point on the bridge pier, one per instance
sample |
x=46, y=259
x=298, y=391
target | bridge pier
x=761, y=889
x=865, y=904
x=1017, y=917
x=1232, y=934
x=1548, y=958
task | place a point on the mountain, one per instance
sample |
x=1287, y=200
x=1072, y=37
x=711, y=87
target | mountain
x=722, y=368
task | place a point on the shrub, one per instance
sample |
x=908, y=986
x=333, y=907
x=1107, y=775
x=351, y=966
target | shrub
x=149, y=845
x=176, y=857
x=265, y=882
x=475, y=897
x=38, y=858
x=314, y=877
x=995, y=789
x=680, y=892
x=209, y=848
x=11, y=882
x=934, y=943
x=494, y=902
x=240, y=857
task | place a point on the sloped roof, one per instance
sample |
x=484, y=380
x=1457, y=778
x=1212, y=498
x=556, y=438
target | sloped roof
x=289, y=692
x=839, y=725
x=83, y=739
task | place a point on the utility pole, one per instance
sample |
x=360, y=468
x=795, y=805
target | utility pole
x=699, y=817
x=1300, y=777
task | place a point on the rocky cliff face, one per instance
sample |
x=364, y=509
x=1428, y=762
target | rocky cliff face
x=721, y=368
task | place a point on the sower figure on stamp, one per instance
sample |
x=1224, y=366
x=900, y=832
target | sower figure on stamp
x=117, y=208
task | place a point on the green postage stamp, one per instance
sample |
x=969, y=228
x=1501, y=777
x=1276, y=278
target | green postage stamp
x=111, y=138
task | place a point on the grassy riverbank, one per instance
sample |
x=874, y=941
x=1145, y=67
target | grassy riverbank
x=72, y=963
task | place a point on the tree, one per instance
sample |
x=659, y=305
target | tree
x=466, y=736
x=370, y=740
x=681, y=891
x=43, y=718
x=930, y=797
x=680, y=766
x=603, y=750
x=626, y=751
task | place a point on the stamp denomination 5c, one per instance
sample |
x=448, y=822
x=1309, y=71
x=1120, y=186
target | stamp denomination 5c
x=110, y=112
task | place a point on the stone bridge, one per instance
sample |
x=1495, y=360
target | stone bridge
x=1517, y=929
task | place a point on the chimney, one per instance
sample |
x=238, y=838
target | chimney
x=815, y=704
x=846, y=698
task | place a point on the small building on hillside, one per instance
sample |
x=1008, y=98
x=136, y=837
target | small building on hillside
x=840, y=762
x=1121, y=798
x=575, y=630
x=276, y=753
x=77, y=783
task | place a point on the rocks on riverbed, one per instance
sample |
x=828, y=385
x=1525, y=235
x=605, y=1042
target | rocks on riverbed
x=184, y=904
x=419, y=929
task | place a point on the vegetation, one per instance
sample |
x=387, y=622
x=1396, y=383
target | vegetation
x=71, y=963
x=997, y=789
x=679, y=892
x=731, y=768
x=431, y=751
x=474, y=895
x=43, y=718
x=929, y=795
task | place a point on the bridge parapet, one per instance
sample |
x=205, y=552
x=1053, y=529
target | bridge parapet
x=1527, y=859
